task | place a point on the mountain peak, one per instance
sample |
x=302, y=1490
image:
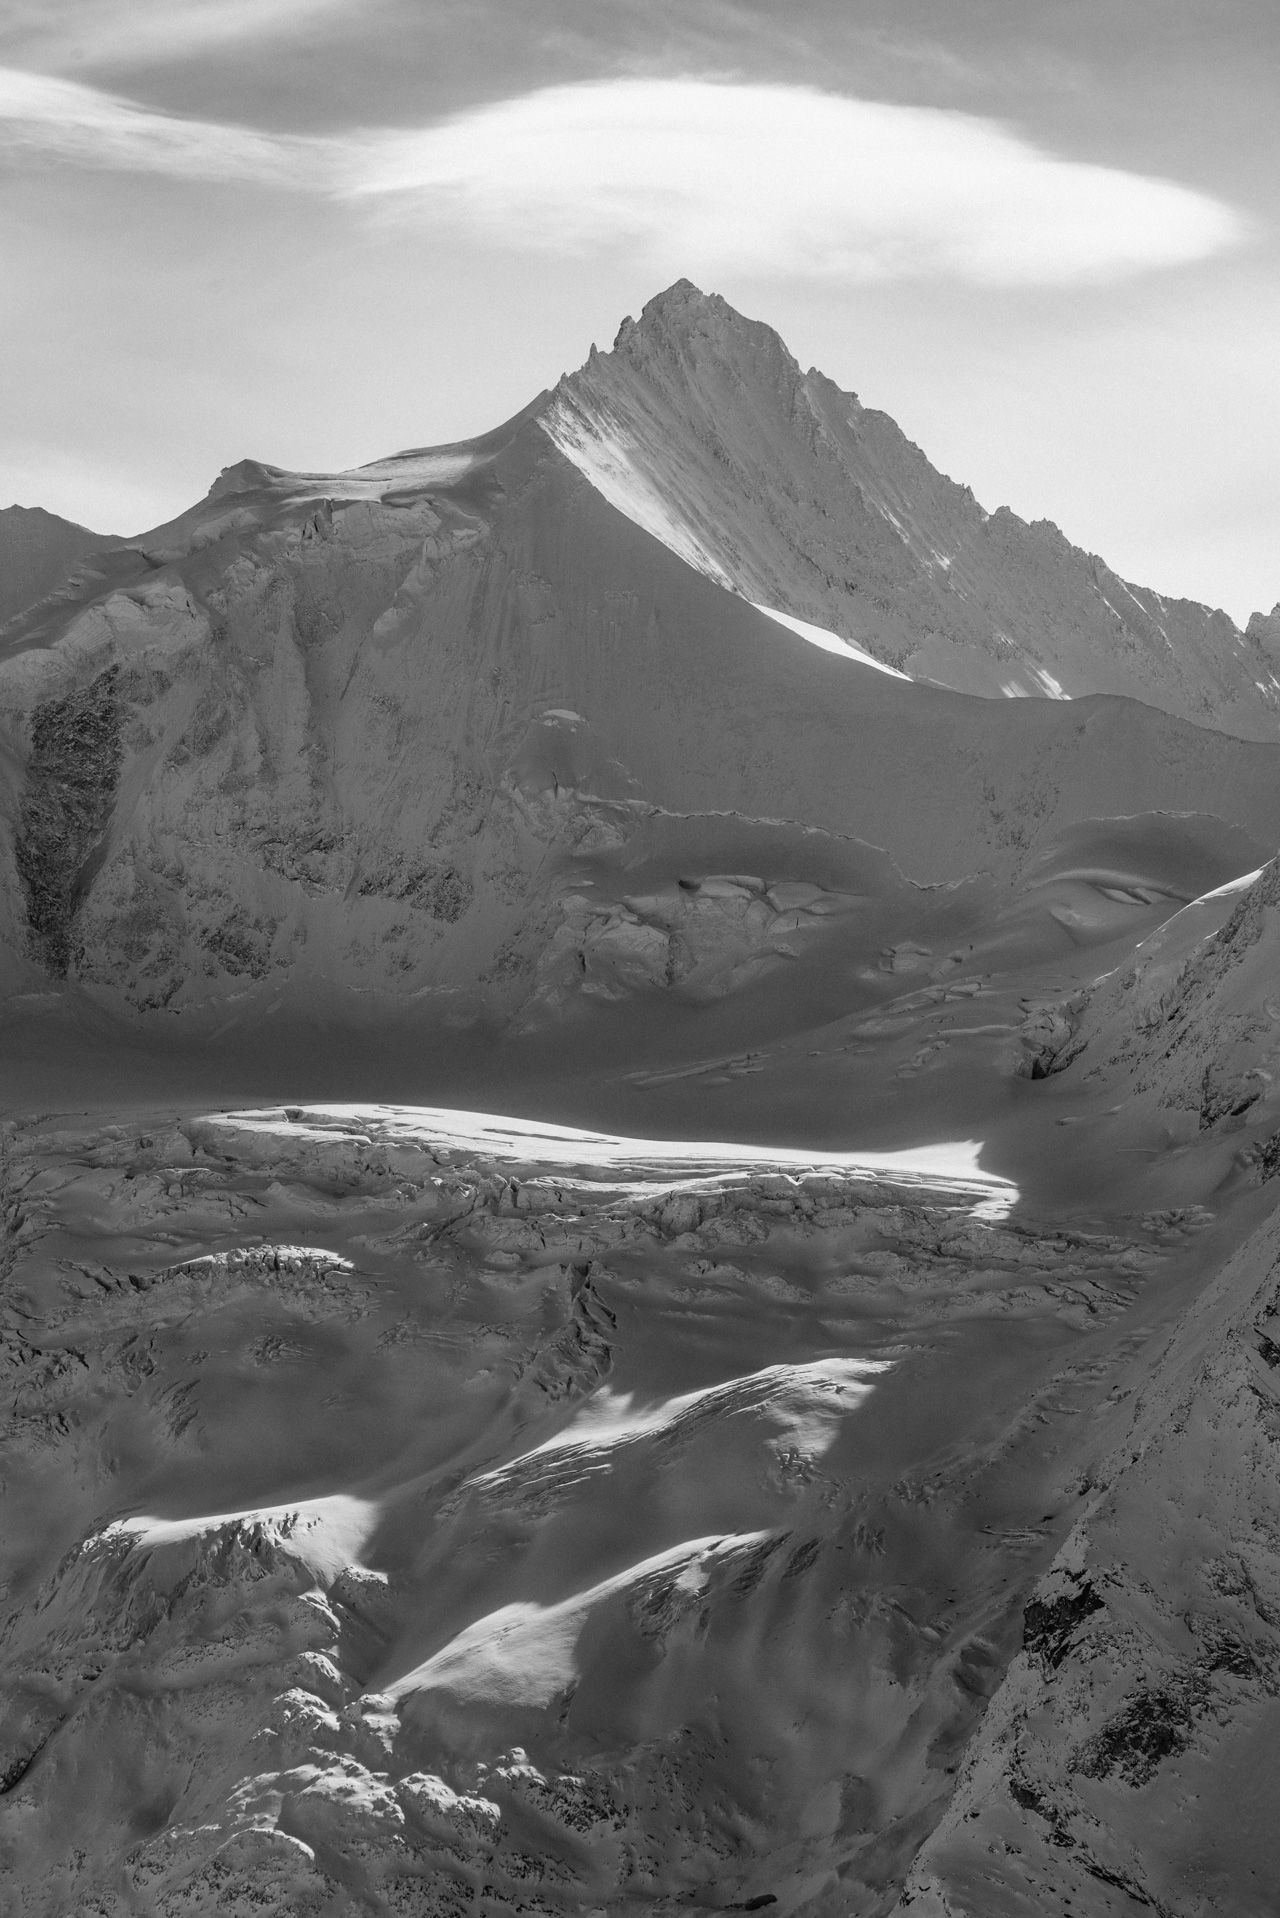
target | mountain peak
x=701, y=426
x=16, y=516
x=681, y=303
x=1264, y=630
x=684, y=322
x=682, y=292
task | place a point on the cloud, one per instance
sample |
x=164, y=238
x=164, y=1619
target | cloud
x=702, y=177
x=698, y=177
x=41, y=117
x=82, y=33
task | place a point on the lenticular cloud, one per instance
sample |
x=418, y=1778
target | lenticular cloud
x=706, y=176
x=690, y=176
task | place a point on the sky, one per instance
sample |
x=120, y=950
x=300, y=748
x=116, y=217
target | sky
x=1043, y=234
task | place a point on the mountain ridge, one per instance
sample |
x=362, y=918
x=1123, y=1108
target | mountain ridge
x=354, y=682
x=847, y=524
x=37, y=551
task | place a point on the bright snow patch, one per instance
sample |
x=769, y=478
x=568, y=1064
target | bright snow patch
x=402, y=472
x=324, y=1534
x=1242, y=884
x=829, y=642
x=1051, y=687
x=804, y=1405
x=526, y=1654
x=645, y=1164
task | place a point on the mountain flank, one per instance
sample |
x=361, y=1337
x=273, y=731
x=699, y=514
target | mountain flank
x=339, y=734
x=37, y=552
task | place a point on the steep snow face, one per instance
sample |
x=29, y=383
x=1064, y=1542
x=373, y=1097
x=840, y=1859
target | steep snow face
x=702, y=427
x=603, y=452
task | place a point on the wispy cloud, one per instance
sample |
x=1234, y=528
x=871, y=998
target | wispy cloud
x=74, y=34
x=47, y=118
x=693, y=176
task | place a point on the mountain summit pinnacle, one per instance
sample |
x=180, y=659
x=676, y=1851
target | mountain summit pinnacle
x=680, y=304
x=684, y=323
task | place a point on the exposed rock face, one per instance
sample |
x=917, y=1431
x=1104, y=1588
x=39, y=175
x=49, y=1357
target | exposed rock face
x=702, y=937
x=701, y=425
x=37, y=552
x=1264, y=631
x=1192, y=1026
x=66, y=804
x=1147, y=1690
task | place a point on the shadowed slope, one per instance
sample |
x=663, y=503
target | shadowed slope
x=37, y=551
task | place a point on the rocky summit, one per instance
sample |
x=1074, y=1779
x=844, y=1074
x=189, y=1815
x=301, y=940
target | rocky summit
x=639, y=1177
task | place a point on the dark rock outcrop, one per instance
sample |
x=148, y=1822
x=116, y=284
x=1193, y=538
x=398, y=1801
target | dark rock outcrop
x=72, y=772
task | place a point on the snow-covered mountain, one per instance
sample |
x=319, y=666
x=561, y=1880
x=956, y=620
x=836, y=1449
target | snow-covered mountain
x=638, y=1244
x=703, y=428
x=345, y=738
